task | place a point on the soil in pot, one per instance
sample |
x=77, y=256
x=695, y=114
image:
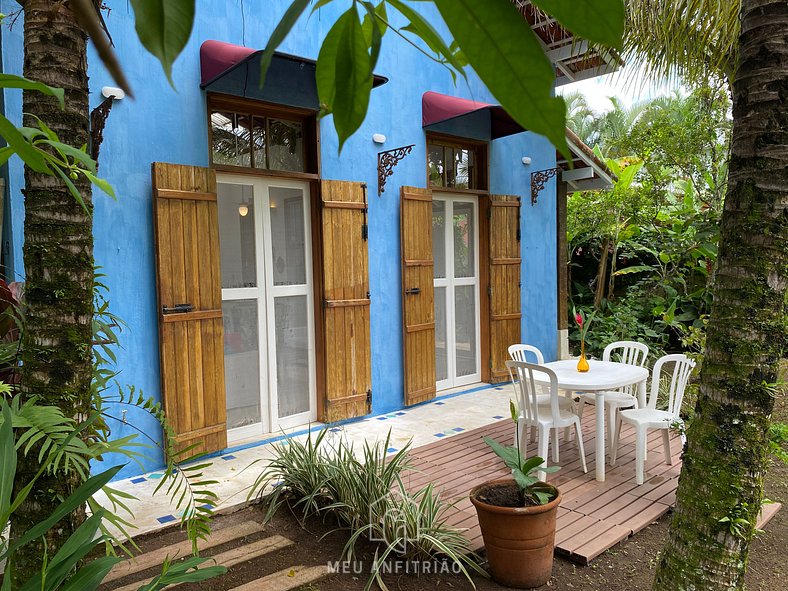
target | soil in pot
x=503, y=496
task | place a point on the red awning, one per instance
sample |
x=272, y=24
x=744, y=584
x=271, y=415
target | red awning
x=466, y=118
x=216, y=57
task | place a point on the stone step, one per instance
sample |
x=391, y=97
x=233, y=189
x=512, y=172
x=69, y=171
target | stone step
x=767, y=512
x=283, y=580
x=231, y=557
x=181, y=549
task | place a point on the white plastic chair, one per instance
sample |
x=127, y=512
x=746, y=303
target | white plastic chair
x=631, y=353
x=650, y=417
x=543, y=417
x=521, y=352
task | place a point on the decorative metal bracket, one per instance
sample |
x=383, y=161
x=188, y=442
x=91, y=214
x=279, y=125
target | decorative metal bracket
x=387, y=161
x=539, y=180
x=98, y=117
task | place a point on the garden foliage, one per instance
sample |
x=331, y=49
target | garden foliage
x=643, y=253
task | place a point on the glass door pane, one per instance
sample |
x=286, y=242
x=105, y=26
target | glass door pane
x=241, y=308
x=441, y=344
x=439, y=238
x=237, y=235
x=465, y=329
x=292, y=355
x=241, y=363
x=286, y=207
x=289, y=298
x=464, y=240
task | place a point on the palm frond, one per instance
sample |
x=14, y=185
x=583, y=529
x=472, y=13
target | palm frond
x=682, y=40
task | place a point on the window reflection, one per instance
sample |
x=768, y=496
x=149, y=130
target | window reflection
x=240, y=139
x=231, y=135
x=452, y=166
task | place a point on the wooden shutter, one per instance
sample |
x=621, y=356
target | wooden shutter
x=191, y=334
x=348, y=364
x=418, y=299
x=504, y=288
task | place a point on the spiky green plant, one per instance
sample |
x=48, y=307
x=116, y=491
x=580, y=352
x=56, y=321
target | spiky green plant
x=366, y=494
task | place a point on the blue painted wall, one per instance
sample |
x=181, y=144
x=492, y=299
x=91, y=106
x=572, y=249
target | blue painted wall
x=169, y=125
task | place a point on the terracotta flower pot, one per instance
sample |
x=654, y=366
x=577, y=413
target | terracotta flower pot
x=519, y=540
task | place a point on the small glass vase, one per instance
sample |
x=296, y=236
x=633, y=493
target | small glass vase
x=582, y=363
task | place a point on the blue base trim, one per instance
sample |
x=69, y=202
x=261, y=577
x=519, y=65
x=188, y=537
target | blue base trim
x=318, y=428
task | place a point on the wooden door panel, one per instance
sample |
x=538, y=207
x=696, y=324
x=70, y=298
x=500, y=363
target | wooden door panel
x=504, y=278
x=418, y=297
x=191, y=332
x=348, y=371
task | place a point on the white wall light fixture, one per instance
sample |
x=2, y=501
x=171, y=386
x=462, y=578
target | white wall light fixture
x=379, y=138
x=526, y=160
x=111, y=91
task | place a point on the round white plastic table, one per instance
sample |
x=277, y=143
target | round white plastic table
x=601, y=376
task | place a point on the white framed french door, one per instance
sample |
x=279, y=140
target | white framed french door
x=455, y=249
x=266, y=263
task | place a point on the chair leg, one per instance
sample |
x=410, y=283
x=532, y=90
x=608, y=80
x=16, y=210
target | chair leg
x=580, y=406
x=666, y=446
x=611, y=424
x=640, y=454
x=555, y=445
x=616, y=437
x=580, y=445
x=542, y=451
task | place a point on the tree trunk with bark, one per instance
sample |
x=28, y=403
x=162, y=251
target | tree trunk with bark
x=727, y=454
x=58, y=255
x=601, y=273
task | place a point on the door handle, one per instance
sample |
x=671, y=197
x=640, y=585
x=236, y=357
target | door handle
x=413, y=291
x=177, y=309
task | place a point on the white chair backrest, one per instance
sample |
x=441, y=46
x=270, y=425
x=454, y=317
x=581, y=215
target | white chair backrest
x=629, y=352
x=520, y=353
x=522, y=375
x=678, y=381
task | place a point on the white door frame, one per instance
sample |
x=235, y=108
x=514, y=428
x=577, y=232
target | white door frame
x=265, y=293
x=450, y=282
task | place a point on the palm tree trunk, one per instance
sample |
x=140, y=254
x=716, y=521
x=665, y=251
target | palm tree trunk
x=727, y=455
x=58, y=255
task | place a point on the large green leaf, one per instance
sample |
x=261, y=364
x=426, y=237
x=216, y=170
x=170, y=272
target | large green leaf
x=344, y=79
x=504, y=52
x=77, y=498
x=284, y=26
x=164, y=28
x=509, y=455
x=22, y=147
x=601, y=21
x=78, y=545
x=12, y=81
x=8, y=457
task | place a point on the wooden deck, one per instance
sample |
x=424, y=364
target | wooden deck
x=593, y=516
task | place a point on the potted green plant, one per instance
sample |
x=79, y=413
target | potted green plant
x=517, y=518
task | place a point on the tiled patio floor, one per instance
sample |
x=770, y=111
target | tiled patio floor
x=445, y=417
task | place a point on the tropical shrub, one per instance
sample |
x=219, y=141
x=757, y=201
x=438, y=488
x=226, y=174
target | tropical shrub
x=21, y=426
